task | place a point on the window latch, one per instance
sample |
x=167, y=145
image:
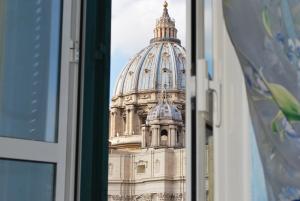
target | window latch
x=204, y=87
x=74, y=52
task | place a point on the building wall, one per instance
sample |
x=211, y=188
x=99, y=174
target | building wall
x=147, y=175
x=128, y=113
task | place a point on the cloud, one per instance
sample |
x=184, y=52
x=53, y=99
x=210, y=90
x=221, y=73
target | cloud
x=133, y=22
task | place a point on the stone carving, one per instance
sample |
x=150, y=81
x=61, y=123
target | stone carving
x=141, y=112
x=161, y=96
x=144, y=96
x=170, y=196
x=179, y=106
x=148, y=197
x=128, y=98
x=141, y=162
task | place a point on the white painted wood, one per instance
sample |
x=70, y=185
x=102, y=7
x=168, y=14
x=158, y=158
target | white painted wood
x=231, y=138
x=11, y=148
x=202, y=86
x=190, y=86
x=197, y=86
x=70, y=168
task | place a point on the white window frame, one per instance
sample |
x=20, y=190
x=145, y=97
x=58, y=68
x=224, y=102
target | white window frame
x=62, y=153
x=232, y=151
x=231, y=122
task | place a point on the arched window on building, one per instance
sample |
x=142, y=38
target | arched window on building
x=178, y=138
x=124, y=125
x=164, y=138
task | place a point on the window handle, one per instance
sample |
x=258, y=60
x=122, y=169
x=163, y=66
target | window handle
x=216, y=88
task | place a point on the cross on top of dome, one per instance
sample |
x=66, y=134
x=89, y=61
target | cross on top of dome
x=166, y=15
x=165, y=4
x=165, y=29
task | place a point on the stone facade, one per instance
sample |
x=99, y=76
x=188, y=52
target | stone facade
x=128, y=114
x=147, y=135
x=149, y=174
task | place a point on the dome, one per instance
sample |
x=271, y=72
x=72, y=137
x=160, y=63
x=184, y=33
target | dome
x=159, y=65
x=164, y=111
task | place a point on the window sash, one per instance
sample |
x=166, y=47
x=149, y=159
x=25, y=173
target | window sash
x=62, y=153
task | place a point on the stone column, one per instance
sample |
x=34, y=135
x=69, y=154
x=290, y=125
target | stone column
x=127, y=122
x=112, y=126
x=172, y=135
x=155, y=135
x=130, y=110
x=113, y=121
x=168, y=32
x=144, y=136
x=183, y=136
x=158, y=135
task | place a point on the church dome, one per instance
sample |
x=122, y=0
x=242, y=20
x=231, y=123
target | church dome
x=164, y=111
x=159, y=65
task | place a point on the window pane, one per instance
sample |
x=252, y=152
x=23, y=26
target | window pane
x=29, y=68
x=26, y=181
x=208, y=35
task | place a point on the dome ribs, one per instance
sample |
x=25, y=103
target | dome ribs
x=174, y=56
x=158, y=64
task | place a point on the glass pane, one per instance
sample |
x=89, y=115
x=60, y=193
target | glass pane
x=29, y=68
x=26, y=181
x=208, y=36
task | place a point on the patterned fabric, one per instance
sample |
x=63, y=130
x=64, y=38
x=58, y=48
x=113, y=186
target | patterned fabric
x=266, y=36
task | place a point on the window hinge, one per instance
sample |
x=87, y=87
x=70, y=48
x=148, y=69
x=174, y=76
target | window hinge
x=216, y=89
x=74, y=52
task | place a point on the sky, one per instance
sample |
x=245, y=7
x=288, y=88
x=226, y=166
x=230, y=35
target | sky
x=133, y=22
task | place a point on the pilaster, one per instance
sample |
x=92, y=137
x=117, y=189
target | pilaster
x=130, y=113
x=172, y=135
x=155, y=135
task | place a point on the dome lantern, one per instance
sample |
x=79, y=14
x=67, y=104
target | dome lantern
x=165, y=29
x=164, y=111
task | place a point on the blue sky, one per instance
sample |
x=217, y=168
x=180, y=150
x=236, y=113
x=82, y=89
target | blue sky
x=133, y=22
x=258, y=185
x=132, y=27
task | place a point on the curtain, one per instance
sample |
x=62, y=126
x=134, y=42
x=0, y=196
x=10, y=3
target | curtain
x=265, y=34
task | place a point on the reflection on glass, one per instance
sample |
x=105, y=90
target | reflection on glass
x=29, y=68
x=208, y=35
x=26, y=181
